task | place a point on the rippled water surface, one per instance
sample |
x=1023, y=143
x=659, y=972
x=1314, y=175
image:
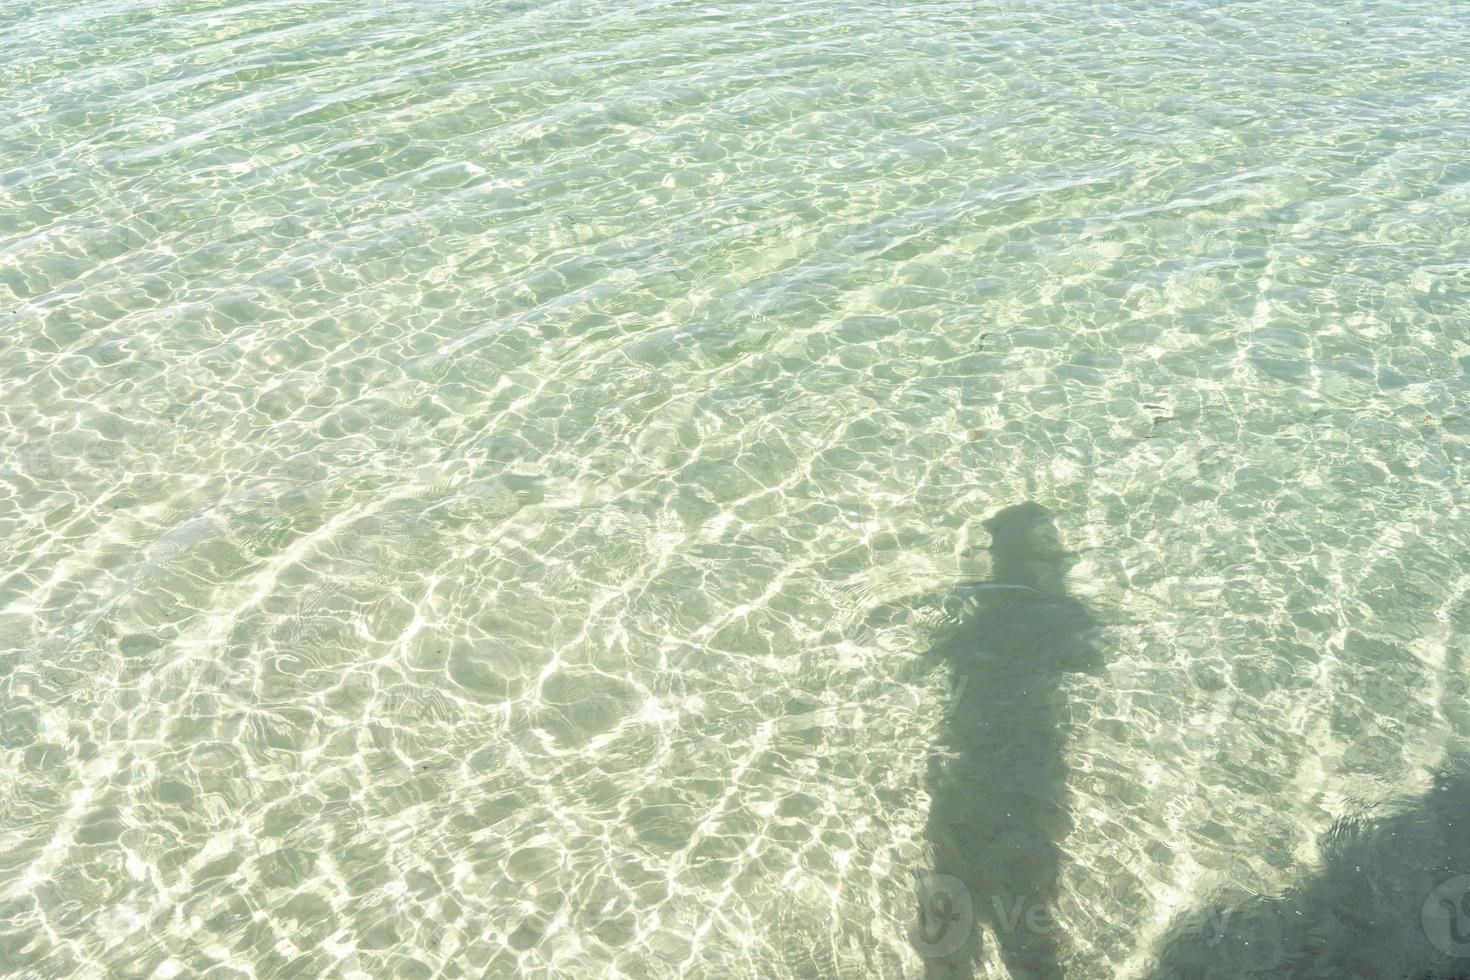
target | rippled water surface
x=734, y=489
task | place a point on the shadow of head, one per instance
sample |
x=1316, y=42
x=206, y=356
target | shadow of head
x=1026, y=549
x=1021, y=621
x=1390, y=900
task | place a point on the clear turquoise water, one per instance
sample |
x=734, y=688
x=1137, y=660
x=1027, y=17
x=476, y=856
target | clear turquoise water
x=498, y=489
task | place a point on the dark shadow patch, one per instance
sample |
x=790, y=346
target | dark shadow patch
x=998, y=779
x=1390, y=899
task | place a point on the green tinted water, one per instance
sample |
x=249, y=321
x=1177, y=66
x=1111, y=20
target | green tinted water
x=734, y=489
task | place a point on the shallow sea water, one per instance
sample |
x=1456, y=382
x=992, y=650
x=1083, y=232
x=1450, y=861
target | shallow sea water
x=741, y=489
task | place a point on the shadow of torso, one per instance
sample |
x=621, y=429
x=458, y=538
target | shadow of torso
x=998, y=779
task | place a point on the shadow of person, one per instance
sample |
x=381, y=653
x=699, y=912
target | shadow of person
x=1390, y=900
x=998, y=780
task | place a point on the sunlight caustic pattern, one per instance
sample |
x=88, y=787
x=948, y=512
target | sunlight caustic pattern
x=499, y=489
